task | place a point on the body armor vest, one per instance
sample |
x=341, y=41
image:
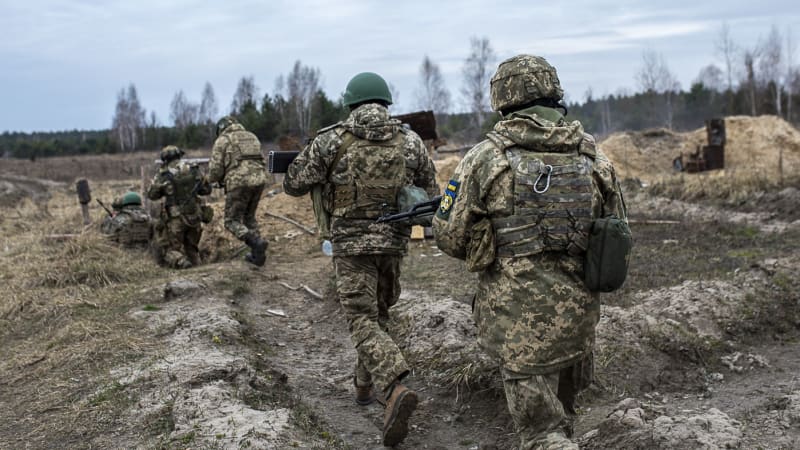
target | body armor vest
x=137, y=231
x=375, y=174
x=552, y=203
x=183, y=180
x=244, y=147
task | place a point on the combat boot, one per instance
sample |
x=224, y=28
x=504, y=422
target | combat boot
x=400, y=403
x=365, y=395
x=258, y=249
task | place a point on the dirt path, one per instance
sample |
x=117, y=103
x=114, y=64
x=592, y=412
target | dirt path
x=312, y=347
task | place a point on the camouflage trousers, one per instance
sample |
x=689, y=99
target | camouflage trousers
x=543, y=406
x=367, y=286
x=178, y=241
x=240, y=210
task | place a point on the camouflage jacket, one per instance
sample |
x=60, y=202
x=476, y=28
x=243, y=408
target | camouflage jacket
x=368, y=124
x=130, y=226
x=236, y=159
x=533, y=312
x=179, y=184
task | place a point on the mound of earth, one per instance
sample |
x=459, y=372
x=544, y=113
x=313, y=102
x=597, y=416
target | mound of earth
x=636, y=426
x=754, y=144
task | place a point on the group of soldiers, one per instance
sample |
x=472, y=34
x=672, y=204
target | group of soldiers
x=519, y=210
x=236, y=165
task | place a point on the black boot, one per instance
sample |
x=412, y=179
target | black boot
x=258, y=249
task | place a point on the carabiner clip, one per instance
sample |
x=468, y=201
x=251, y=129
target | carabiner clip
x=547, y=185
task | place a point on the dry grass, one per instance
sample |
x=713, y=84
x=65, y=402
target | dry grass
x=726, y=186
x=63, y=316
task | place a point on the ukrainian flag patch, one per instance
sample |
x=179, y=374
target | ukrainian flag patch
x=449, y=197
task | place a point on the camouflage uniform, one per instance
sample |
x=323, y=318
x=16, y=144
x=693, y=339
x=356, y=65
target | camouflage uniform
x=362, y=163
x=131, y=226
x=517, y=210
x=238, y=165
x=179, y=228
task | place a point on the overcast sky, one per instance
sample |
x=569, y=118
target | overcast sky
x=63, y=62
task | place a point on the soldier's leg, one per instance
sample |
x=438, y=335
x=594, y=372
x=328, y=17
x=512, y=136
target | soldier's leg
x=236, y=204
x=191, y=242
x=254, y=197
x=356, y=286
x=537, y=412
x=388, y=286
x=174, y=255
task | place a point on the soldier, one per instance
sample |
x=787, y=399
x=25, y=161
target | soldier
x=130, y=225
x=238, y=166
x=179, y=228
x=518, y=210
x=362, y=164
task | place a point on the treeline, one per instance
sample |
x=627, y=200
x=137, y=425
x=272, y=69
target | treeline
x=754, y=80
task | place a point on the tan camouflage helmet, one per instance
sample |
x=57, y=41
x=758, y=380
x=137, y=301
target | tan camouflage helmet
x=225, y=122
x=523, y=79
x=170, y=152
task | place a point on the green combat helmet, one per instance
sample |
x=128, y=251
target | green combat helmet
x=130, y=198
x=366, y=86
x=224, y=123
x=523, y=79
x=170, y=153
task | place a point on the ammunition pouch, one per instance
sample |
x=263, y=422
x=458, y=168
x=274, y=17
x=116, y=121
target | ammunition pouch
x=607, y=255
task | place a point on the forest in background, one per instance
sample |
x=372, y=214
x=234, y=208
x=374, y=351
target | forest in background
x=751, y=80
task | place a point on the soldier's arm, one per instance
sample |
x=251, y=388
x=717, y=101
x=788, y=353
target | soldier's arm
x=613, y=202
x=425, y=175
x=216, y=165
x=310, y=167
x=156, y=191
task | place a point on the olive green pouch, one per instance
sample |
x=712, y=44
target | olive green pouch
x=608, y=254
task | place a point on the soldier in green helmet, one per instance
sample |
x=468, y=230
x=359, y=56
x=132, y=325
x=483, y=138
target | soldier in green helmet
x=361, y=165
x=180, y=223
x=518, y=210
x=130, y=225
x=238, y=166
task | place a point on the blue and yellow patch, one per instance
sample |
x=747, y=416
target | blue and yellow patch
x=448, y=198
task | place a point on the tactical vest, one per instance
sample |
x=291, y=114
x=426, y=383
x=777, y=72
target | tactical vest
x=244, y=147
x=184, y=178
x=137, y=231
x=375, y=174
x=552, y=201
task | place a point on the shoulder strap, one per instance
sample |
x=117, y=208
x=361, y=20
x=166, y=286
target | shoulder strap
x=347, y=140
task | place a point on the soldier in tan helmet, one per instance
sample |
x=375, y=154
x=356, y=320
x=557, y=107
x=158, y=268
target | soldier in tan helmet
x=518, y=210
x=238, y=166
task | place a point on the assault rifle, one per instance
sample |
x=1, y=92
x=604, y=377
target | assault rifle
x=110, y=214
x=423, y=123
x=419, y=210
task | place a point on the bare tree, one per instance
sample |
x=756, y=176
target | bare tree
x=477, y=73
x=791, y=73
x=710, y=77
x=208, y=105
x=726, y=49
x=302, y=84
x=769, y=66
x=129, y=118
x=431, y=93
x=246, y=94
x=182, y=112
x=654, y=77
x=750, y=58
